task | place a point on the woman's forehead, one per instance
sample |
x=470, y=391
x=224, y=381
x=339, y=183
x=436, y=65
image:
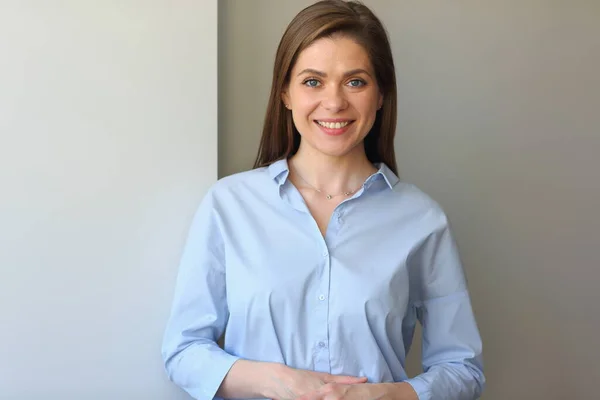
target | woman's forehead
x=336, y=54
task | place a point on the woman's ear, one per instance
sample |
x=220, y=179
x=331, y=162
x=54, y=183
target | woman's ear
x=380, y=103
x=286, y=99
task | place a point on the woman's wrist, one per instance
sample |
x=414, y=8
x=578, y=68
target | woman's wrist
x=251, y=379
x=271, y=376
x=394, y=391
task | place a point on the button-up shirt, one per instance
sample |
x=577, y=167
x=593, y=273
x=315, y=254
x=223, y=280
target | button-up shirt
x=346, y=302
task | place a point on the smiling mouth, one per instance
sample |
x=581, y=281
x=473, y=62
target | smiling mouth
x=334, y=125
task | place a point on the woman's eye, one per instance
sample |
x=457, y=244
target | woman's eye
x=356, y=83
x=311, y=82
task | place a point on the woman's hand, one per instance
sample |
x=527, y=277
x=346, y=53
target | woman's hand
x=338, y=391
x=384, y=391
x=290, y=384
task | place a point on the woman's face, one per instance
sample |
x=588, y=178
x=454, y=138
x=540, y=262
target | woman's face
x=333, y=96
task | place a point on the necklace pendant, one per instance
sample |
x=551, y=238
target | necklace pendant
x=329, y=197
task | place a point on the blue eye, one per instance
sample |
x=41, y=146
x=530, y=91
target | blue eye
x=356, y=83
x=311, y=83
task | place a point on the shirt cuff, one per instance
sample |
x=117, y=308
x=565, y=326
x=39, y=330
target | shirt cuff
x=202, y=371
x=216, y=374
x=420, y=387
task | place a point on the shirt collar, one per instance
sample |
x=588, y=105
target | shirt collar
x=390, y=177
x=279, y=171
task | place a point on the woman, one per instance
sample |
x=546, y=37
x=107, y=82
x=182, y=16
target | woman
x=319, y=260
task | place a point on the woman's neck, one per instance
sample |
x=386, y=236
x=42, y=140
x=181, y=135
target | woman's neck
x=331, y=175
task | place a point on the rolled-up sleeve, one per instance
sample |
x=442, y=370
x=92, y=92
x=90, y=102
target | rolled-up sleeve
x=193, y=360
x=451, y=345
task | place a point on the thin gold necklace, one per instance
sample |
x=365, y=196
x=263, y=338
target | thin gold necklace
x=328, y=196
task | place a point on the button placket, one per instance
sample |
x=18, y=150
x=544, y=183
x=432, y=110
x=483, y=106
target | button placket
x=321, y=352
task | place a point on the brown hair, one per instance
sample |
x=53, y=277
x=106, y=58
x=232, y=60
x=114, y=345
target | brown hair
x=280, y=139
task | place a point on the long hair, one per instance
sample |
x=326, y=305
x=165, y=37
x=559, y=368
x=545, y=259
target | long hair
x=326, y=18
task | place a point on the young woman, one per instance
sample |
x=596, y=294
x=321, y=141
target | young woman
x=320, y=261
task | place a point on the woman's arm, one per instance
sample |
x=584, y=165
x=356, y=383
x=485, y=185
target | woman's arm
x=452, y=348
x=193, y=360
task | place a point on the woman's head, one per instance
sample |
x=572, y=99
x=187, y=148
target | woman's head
x=333, y=63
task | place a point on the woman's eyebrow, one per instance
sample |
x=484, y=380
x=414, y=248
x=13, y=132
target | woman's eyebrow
x=324, y=75
x=313, y=72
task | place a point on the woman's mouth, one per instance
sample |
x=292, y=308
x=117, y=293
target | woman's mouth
x=334, y=128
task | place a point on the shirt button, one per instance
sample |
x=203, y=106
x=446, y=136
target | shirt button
x=322, y=345
x=322, y=297
x=325, y=254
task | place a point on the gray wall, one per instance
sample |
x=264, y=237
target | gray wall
x=108, y=140
x=499, y=120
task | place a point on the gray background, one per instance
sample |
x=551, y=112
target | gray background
x=108, y=140
x=499, y=121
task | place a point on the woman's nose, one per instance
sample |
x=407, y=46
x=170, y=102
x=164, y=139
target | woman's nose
x=334, y=100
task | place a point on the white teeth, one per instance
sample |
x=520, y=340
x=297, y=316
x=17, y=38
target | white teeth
x=333, y=125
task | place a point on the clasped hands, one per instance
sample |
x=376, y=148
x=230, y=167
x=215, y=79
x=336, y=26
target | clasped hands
x=293, y=384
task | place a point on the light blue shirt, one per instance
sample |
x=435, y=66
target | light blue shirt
x=346, y=303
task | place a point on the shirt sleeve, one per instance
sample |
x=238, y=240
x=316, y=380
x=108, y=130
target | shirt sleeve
x=199, y=312
x=451, y=344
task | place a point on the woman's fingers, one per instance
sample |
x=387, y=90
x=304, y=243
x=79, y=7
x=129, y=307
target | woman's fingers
x=343, y=379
